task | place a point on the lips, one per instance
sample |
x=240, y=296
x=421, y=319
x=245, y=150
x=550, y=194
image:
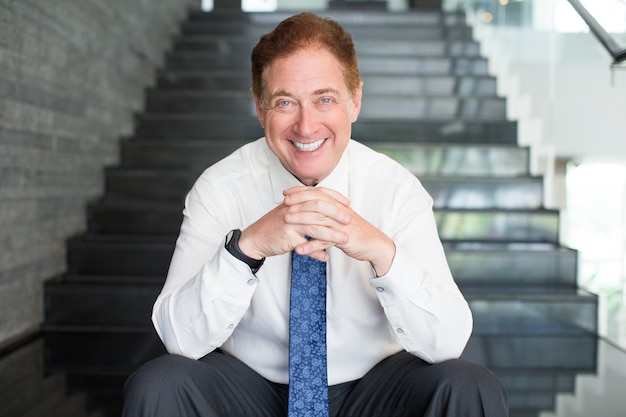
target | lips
x=308, y=147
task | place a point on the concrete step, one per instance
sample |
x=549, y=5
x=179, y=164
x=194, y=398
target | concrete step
x=448, y=192
x=235, y=127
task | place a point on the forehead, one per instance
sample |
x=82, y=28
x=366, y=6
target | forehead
x=306, y=71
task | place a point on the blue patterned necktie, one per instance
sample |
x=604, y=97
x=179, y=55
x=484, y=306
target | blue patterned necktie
x=308, y=378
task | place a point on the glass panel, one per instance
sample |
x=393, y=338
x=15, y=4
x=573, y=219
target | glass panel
x=507, y=226
x=458, y=160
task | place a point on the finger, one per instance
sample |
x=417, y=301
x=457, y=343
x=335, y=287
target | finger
x=305, y=250
x=296, y=195
x=322, y=238
x=318, y=211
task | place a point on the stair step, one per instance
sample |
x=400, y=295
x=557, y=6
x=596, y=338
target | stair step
x=498, y=225
x=124, y=217
x=195, y=155
x=471, y=263
x=424, y=160
x=575, y=352
x=429, y=85
x=368, y=64
x=99, y=304
x=492, y=264
x=135, y=217
x=227, y=127
x=485, y=192
x=445, y=160
x=82, y=350
x=425, y=31
x=447, y=192
x=436, y=131
x=149, y=184
x=503, y=312
x=352, y=17
x=407, y=47
x=99, y=351
x=126, y=256
x=178, y=82
x=540, y=310
x=207, y=126
x=374, y=105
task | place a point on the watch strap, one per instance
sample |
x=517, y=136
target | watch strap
x=232, y=246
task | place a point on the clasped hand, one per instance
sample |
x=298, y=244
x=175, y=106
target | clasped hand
x=326, y=217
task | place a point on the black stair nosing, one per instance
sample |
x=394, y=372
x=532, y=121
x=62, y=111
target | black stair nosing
x=176, y=58
x=414, y=105
x=189, y=175
x=124, y=171
x=115, y=241
x=185, y=173
x=47, y=328
x=224, y=143
x=542, y=210
x=237, y=43
x=366, y=16
x=166, y=73
x=113, y=279
x=127, y=203
x=148, y=204
x=245, y=117
x=481, y=177
x=365, y=47
x=552, y=293
x=388, y=22
x=507, y=247
x=165, y=95
x=391, y=32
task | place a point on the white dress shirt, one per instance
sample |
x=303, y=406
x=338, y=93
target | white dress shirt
x=211, y=299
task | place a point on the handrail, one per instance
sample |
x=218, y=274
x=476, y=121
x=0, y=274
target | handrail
x=617, y=52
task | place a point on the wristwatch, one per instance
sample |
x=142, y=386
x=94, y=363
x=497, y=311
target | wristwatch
x=232, y=246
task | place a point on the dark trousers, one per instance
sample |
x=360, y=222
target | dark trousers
x=401, y=385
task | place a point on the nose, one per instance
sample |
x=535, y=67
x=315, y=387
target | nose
x=307, y=122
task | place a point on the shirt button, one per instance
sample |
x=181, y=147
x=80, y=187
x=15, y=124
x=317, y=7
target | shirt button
x=380, y=289
x=250, y=281
x=230, y=326
x=399, y=330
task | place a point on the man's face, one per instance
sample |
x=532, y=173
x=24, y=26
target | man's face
x=307, y=113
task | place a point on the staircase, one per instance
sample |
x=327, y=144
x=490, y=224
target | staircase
x=430, y=104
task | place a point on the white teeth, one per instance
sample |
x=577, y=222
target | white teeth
x=308, y=147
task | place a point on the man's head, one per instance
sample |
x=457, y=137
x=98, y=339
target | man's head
x=307, y=89
x=301, y=31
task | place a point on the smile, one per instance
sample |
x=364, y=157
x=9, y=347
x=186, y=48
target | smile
x=308, y=147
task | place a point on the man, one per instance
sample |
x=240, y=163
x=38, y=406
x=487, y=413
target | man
x=395, y=319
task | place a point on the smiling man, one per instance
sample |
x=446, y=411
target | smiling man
x=393, y=322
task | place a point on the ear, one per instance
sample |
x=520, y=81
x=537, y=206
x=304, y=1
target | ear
x=260, y=113
x=357, y=96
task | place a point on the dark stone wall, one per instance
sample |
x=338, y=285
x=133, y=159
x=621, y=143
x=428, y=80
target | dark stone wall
x=72, y=74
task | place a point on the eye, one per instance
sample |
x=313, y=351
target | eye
x=283, y=105
x=326, y=100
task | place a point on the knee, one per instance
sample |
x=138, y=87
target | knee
x=472, y=383
x=466, y=374
x=155, y=377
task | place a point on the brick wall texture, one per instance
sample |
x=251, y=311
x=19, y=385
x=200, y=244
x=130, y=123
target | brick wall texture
x=72, y=74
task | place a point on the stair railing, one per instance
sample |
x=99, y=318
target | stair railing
x=617, y=52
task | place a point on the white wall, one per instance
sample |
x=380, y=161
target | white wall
x=562, y=86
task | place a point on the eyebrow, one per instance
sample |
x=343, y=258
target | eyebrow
x=319, y=92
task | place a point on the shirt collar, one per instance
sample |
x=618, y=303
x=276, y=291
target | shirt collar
x=281, y=179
